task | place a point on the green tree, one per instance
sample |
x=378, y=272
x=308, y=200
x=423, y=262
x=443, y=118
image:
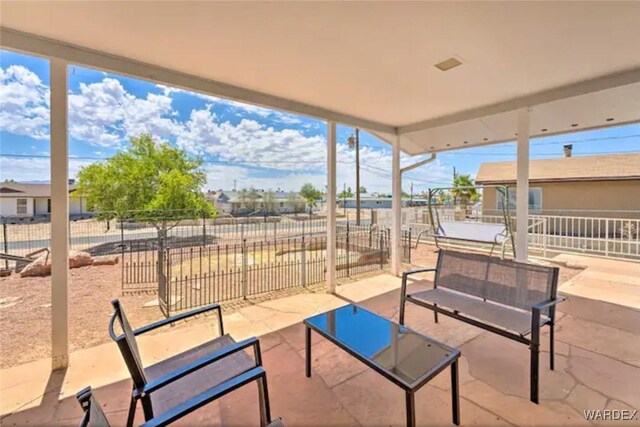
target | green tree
x=463, y=189
x=363, y=189
x=253, y=196
x=311, y=196
x=346, y=193
x=269, y=199
x=151, y=182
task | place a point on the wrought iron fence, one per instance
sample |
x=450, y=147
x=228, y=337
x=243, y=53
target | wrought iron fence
x=196, y=276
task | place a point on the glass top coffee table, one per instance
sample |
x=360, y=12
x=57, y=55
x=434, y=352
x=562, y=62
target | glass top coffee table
x=403, y=356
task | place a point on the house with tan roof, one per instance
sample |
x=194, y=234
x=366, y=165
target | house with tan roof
x=26, y=200
x=591, y=186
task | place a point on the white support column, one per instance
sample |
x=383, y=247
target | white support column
x=59, y=216
x=331, y=207
x=396, y=208
x=522, y=189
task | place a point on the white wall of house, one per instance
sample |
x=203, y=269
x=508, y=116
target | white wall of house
x=42, y=206
x=9, y=206
x=38, y=206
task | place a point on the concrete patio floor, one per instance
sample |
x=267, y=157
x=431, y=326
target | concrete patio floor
x=597, y=367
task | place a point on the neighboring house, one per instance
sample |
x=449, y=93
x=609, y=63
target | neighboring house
x=377, y=202
x=32, y=200
x=257, y=202
x=594, y=186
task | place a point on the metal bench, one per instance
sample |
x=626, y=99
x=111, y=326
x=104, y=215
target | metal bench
x=506, y=297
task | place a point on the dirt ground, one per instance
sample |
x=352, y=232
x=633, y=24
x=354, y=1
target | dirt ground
x=25, y=333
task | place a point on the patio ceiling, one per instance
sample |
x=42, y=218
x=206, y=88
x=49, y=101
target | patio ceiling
x=370, y=65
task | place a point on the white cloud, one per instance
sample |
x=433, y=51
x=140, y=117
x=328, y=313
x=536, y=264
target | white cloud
x=24, y=103
x=34, y=168
x=240, y=107
x=105, y=114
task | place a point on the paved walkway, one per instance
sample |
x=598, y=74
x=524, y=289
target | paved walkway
x=597, y=367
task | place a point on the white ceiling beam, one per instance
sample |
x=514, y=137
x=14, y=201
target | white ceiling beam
x=42, y=46
x=576, y=89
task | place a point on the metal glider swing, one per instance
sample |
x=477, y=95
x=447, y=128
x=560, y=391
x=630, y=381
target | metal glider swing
x=449, y=231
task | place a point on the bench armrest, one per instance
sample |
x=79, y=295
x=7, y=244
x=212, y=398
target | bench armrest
x=182, y=316
x=202, y=362
x=405, y=274
x=546, y=304
x=535, y=316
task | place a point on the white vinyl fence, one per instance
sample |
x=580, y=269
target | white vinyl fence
x=610, y=237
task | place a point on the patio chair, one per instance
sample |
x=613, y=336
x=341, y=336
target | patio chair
x=94, y=416
x=182, y=383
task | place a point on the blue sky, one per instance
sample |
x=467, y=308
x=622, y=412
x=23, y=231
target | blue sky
x=241, y=144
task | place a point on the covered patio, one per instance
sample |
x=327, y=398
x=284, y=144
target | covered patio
x=424, y=77
x=597, y=366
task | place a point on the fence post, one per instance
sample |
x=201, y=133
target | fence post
x=5, y=243
x=347, y=250
x=544, y=239
x=245, y=264
x=275, y=231
x=606, y=237
x=303, y=266
x=409, y=244
x=381, y=251
x=204, y=229
x=370, y=236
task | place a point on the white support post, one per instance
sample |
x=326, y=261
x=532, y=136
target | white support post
x=59, y=216
x=522, y=187
x=396, y=208
x=331, y=207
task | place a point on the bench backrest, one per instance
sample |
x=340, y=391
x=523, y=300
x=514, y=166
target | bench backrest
x=504, y=281
x=478, y=231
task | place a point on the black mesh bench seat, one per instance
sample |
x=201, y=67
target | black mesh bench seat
x=502, y=316
x=506, y=297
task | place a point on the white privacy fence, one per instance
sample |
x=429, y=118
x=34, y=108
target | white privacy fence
x=611, y=237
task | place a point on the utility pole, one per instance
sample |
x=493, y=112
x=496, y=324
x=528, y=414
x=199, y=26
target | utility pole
x=354, y=142
x=344, y=199
x=411, y=198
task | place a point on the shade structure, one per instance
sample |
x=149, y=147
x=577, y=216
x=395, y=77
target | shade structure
x=371, y=65
x=527, y=68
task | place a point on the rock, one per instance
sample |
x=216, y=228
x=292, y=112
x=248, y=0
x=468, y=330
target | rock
x=79, y=259
x=105, y=260
x=42, y=265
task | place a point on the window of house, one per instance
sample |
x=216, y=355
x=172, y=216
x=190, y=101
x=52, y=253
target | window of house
x=535, y=199
x=48, y=205
x=22, y=206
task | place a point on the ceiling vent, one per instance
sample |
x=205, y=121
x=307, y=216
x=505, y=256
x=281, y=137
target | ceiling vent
x=448, y=64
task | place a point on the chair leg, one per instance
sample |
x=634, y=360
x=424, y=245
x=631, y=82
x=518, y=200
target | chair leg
x=263, y=396
x=435, y=313
x=402, y=305
x=147, y=408
x=533, y=380
x=551, y=347
x=132, y=411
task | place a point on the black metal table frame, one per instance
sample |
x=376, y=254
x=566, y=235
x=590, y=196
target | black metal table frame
x=410, y=389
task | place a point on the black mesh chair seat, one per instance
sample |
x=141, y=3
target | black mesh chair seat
x=203, y=379
x=180, y=384
x=506, y=317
